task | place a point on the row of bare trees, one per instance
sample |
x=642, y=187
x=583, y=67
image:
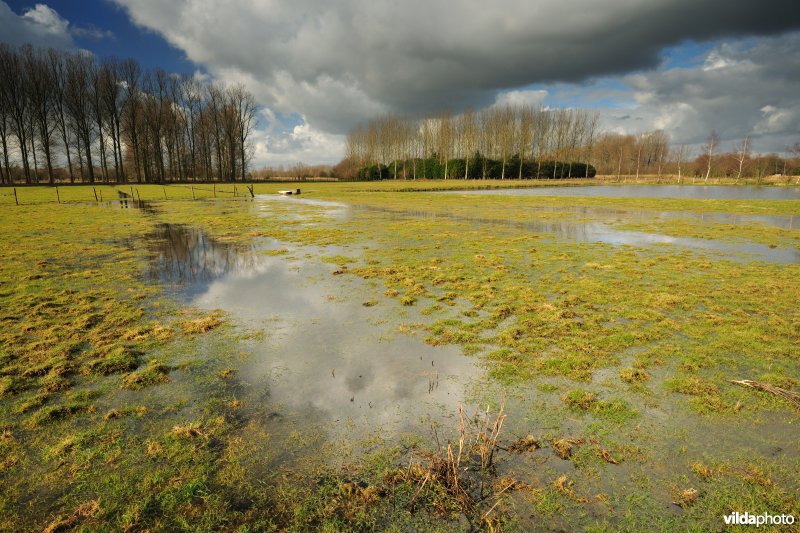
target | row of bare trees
x=64, y=115
x=520, y=134
x=495, y=133
x=645, y=153
x=650, y=154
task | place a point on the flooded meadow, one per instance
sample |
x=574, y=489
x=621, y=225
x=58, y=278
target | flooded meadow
x=364, y=357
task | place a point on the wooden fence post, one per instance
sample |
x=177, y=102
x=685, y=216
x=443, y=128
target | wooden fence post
x=58, y=196
x=193, y=198
x=95, y=194
x=16, y=200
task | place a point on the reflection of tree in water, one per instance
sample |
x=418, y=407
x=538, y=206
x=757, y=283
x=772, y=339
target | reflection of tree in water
x=189, y=257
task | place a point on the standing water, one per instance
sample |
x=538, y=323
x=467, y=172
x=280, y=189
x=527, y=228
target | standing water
x=330, y=354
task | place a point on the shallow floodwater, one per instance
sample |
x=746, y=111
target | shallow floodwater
x=328, y=356
x=721, y=192
x=599, y=229
x=185, y=260
x=324, y=356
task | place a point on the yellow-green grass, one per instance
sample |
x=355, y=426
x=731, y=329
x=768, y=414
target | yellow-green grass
x=99, y=431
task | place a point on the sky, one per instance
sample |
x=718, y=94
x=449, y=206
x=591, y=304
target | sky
x=317, y=68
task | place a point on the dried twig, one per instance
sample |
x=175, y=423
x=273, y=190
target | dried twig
x=793, y=397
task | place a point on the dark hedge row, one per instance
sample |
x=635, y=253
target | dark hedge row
x=479, y=168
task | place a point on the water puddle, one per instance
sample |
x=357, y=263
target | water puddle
x=329, y=357
x=592, y=231
x=611, y=215
x=323, y=354
x=720, y=192
x=185, y=261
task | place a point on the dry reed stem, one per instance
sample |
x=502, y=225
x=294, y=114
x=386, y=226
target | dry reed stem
x=793, y=397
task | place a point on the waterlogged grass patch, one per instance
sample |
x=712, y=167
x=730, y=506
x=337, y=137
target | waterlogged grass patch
x=614, y=410
x=337, y=259
x=633, y=375
x=154, y=373
x=117, y=359
x=693, y=385
x=555, y=317
x=706, y=396
x=201, y=324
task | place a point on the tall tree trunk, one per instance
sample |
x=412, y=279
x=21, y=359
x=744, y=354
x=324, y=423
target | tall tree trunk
x=6, y=172
x=121, y=169
x=89, y=163
x=35, y=161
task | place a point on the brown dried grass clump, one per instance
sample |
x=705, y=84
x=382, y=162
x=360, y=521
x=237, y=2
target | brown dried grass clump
x=705, y=472
x=458, y=469
x=606, y=456
x=202, y=324
x=563, y=447
x=633, y=375
x=189, y=431
x=563, y=486
x=353, y=499
x=687, y=497
x=154, y=448
x=525, y=444
x=83, y=511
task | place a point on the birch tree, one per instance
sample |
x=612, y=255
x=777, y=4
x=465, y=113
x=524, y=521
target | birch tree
x=742, y=154
x=709, y=149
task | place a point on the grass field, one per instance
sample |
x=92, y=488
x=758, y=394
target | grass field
x=122, y=406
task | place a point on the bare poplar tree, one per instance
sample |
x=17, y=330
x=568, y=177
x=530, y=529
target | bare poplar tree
x=41, y=88
x=426, y=139
x=562, y=124
x=98, y=112
x=639, y=145
x=16, y=96
x=487, y=136
x=541, y=132
x=470, y=137
x=113, y=106
x=506, y=128
x=680, y=156
x=709, y=149
x=6, y=103
x=214, y=108
x=445, y=138
x=591, y=129
x=525, y=136
x=131, y=73
x=79, y=106
x=742, y=154
x=246, y=110
x=58, y=75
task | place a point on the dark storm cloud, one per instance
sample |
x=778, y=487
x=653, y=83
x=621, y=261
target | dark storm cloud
x=739, y=90
x=340, y=62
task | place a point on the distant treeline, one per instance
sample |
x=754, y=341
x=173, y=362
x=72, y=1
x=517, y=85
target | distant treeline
x=477, y=167
x=500, y=136
x=64, y=115
x=566, y=142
